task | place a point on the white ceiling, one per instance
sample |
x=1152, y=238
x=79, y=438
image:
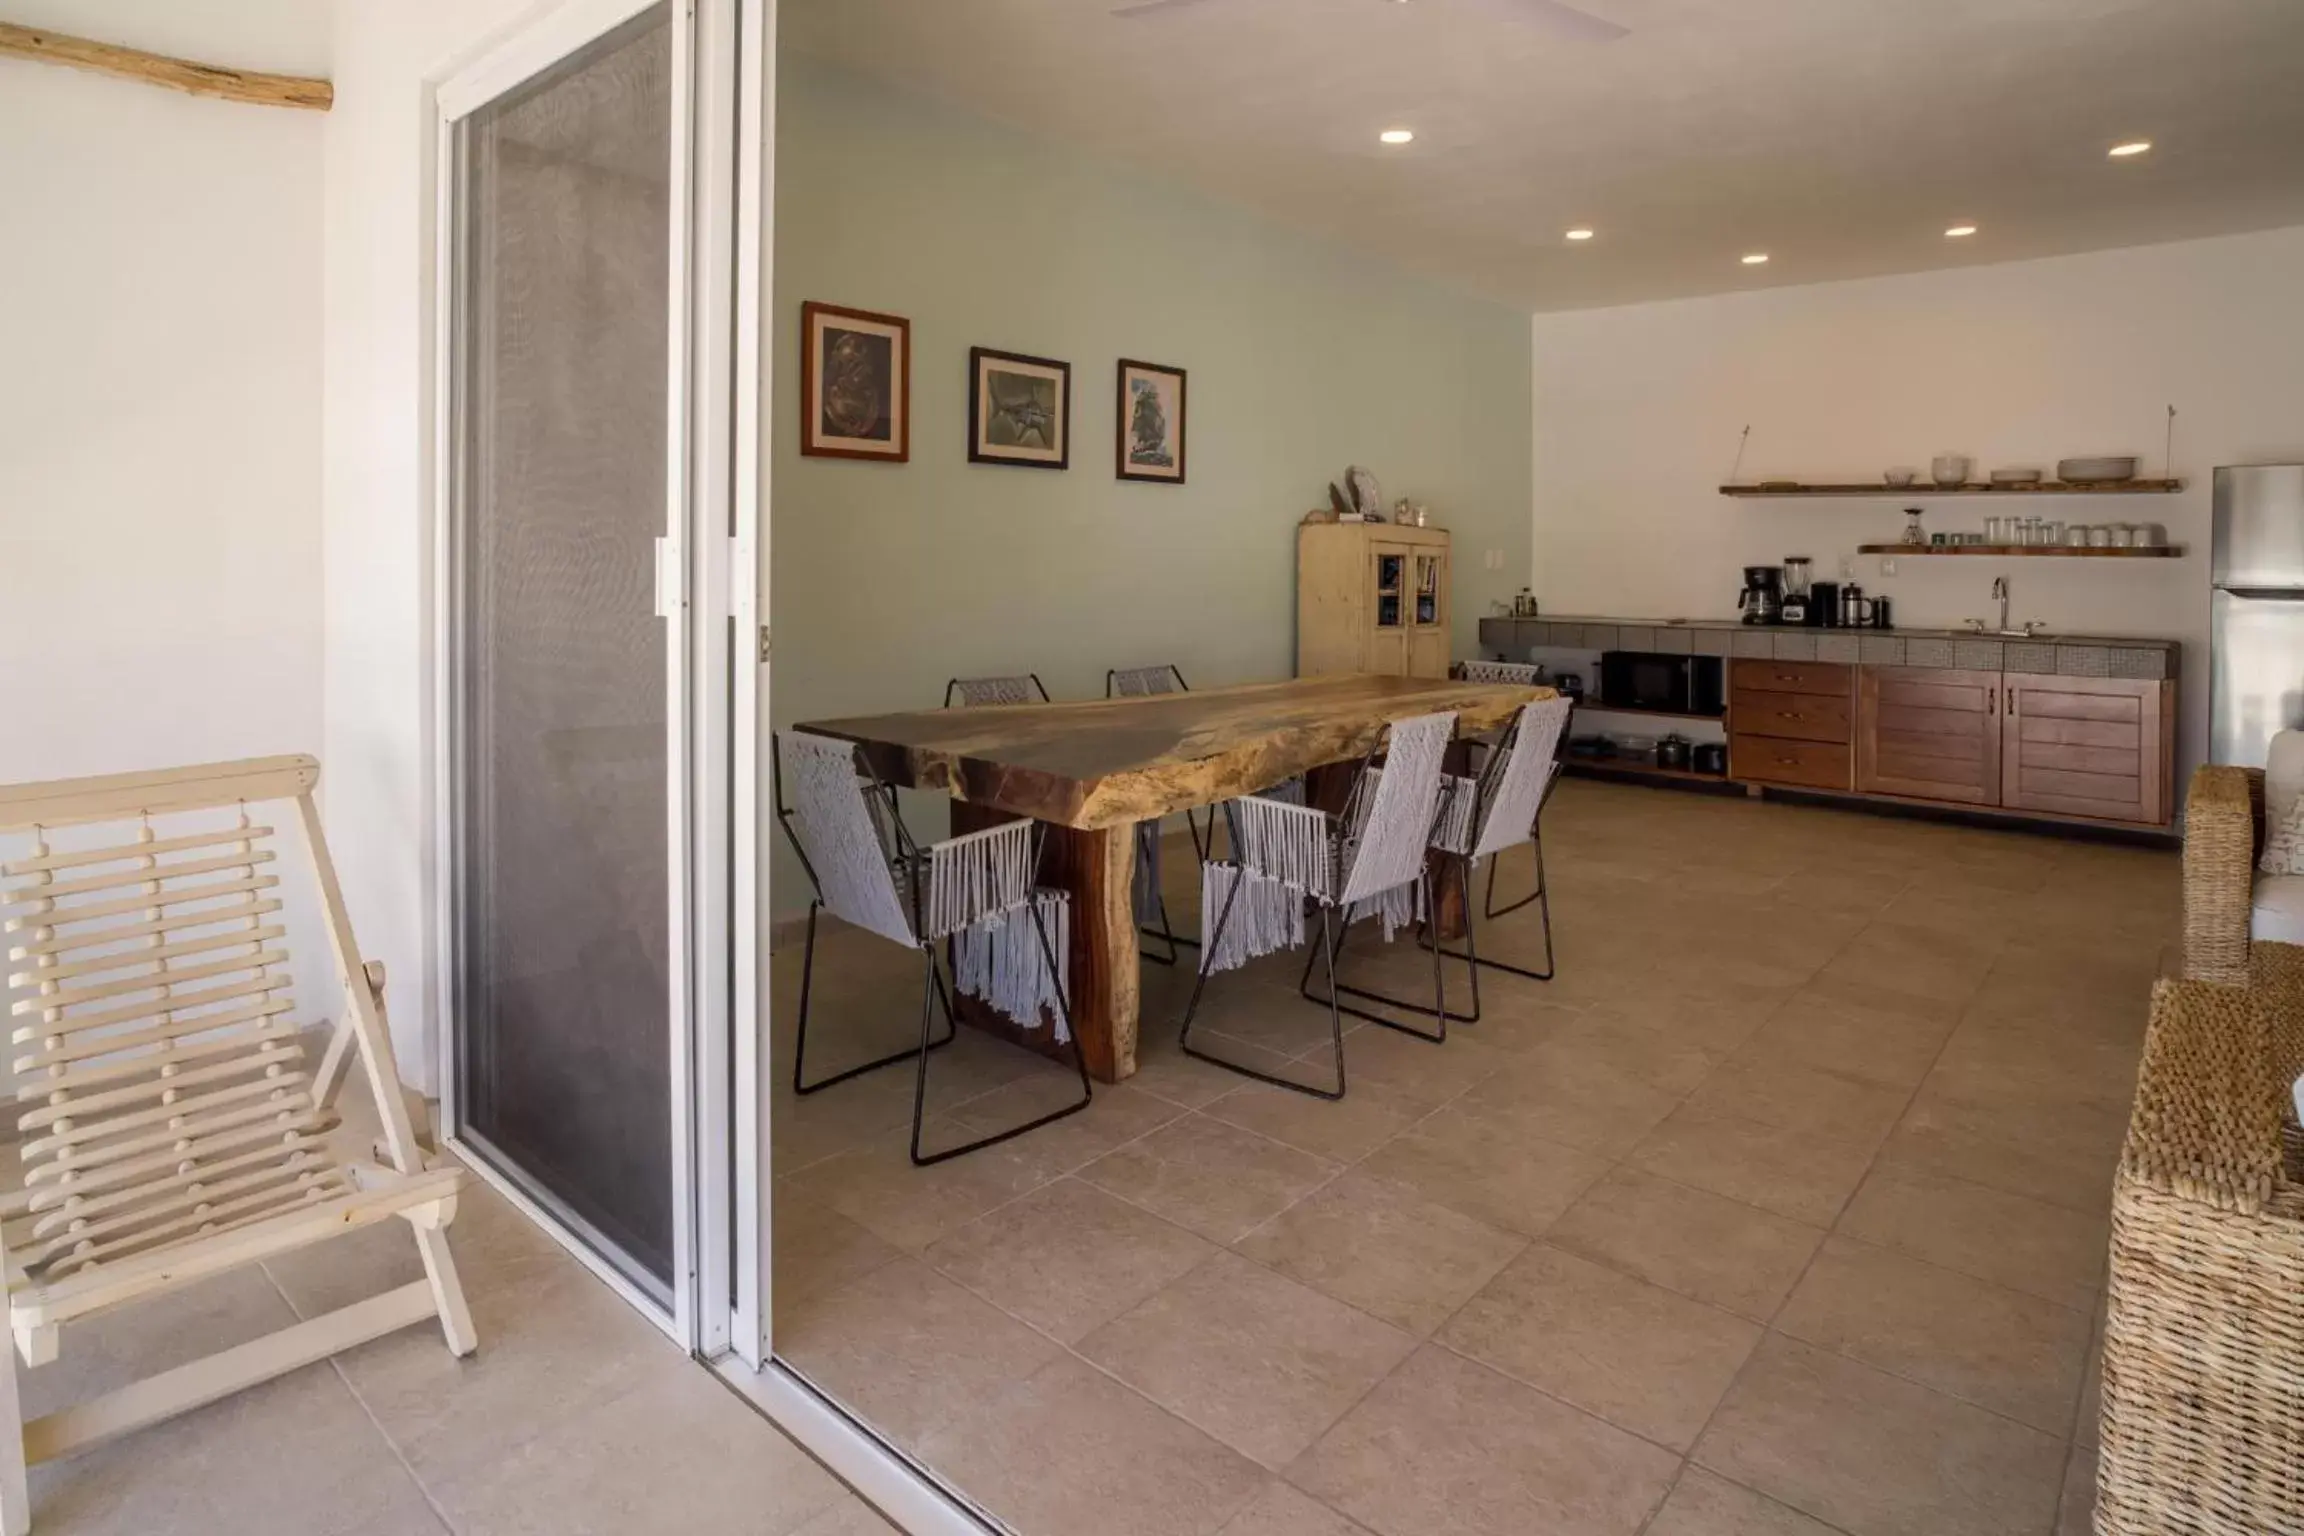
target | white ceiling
x=1840, y=136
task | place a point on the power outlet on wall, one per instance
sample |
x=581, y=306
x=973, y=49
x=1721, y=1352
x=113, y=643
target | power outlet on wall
x=1888, y=565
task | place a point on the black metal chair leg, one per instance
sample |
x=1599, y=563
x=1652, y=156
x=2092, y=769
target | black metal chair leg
x=800, y=1084
x=1541, y=895
x=1200, y=984
x=1160, y=903
x=1440, y=1014
x=920, y=1084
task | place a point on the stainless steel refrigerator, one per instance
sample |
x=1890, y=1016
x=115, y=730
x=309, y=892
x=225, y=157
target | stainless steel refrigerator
x=2256, y=601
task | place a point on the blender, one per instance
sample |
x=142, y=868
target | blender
x=1792, y=607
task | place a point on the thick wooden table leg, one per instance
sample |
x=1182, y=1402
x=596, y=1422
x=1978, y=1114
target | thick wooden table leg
x=1097, y=868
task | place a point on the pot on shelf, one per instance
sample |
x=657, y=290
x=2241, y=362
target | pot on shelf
x=1711, y=757
x=1672, y=752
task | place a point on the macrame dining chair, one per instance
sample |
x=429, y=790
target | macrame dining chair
x=1482, y=816
x=1508, y=802
x=1150, y=901
x=1527, y=674
x=1368, y=862
x=975, y=890
x=1025, y=688
x=171, y=1131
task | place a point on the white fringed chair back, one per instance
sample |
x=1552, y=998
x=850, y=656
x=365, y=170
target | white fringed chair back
x=1508, y=797
x=1386, y=848
x=1526, y=673
x=1284, y=853
x=977, y=888
x=972, y=691
x=833, y=823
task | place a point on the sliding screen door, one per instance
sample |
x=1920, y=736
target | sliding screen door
x=565, y=958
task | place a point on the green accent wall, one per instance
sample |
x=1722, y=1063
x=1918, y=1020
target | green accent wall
x=1303, y=357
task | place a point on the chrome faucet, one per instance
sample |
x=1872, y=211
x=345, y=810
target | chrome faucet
x=2000, y=594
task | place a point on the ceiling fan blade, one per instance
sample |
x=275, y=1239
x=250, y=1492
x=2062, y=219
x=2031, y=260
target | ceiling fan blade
x=1559, y=18
x=1151, y=7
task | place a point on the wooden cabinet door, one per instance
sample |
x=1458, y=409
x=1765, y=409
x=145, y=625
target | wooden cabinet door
x=1428, y=653
x=1930, y=733
x=2087, y=746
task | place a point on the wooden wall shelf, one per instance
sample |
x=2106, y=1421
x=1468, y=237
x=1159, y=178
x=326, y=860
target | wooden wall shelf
x=2026, y=551
x=1919, y=490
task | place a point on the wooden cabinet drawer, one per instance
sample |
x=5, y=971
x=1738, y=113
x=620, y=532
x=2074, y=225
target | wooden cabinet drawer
x=1821, y=677
x=1804, y=716
x=1777, y=760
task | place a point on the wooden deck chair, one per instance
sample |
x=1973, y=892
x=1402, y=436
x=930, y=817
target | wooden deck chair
x=170, y=1132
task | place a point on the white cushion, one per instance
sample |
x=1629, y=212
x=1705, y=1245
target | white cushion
x=2278, y=912
x=2283, y=775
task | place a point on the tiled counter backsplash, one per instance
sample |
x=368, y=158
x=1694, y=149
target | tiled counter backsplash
x=2043, y=655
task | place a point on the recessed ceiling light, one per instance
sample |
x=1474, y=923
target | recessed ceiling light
x=2132, y=147
x=1959, y=231
x=1755, y=258
x=1398, y=135
x=1579, y=234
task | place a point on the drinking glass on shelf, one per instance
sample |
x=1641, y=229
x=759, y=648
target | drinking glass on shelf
x=1995, y=530
x=2053, y=531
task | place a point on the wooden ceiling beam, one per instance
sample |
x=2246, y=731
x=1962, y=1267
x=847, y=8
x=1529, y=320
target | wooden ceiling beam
x=158, y=69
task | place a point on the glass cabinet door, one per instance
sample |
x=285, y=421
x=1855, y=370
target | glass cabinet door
x=1427, y=589
x=1391, y=573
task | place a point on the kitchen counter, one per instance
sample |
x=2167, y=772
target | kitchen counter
x=2044, y=654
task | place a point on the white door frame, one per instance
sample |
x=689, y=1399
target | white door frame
x=693, y=595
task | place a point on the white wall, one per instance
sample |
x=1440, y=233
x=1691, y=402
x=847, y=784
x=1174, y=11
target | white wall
x=159, y=403
x=160, y=596
x=375, y=488
x=1638, y=409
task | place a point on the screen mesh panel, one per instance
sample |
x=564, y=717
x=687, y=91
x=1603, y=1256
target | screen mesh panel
x=563, y=948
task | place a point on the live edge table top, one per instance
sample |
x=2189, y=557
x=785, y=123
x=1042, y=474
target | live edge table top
x=1113, y=762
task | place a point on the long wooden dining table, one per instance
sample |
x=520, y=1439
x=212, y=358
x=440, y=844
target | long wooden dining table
x=1091, y=771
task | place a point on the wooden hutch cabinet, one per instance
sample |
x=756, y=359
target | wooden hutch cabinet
x=1371, y=597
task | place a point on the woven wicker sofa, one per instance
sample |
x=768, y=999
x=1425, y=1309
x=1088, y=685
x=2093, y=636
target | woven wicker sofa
x=2227, y=904
x=2203, y=1414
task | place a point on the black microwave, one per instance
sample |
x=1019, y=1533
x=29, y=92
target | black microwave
x=1679, y=685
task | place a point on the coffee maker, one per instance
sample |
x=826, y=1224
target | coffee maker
x=1762, y=600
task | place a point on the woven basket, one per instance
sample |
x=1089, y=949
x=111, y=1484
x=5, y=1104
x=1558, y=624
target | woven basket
x=2203, y=1414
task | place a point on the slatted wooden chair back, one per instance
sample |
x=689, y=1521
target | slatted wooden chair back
x=171, y=1124
x=157, y=1054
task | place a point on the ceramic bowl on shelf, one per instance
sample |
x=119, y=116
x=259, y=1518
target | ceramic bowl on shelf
x=1900, y=477
x=1949, y=469
x=2015, y=477
x=2107, y=470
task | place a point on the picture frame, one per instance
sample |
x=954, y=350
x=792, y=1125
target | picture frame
x=855, y=384
x=1019, y=410
x=1149, y=423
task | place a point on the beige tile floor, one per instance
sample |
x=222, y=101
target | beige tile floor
x=576, y=1416
x=1781, y=1211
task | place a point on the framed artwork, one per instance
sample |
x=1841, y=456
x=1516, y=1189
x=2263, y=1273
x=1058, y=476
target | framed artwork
x=1151, y=423
x=1019, y=410
x=855, y=384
